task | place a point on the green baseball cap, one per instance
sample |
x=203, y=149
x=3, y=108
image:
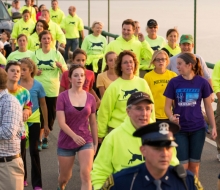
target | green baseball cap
x=186, y=38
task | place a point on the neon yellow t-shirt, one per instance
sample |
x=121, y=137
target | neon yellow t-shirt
x=22, y=27
x=33, y=42
x=32, y=11
x=171, y=51
x=17, y=55
x=2, y=59
x=158, y=83
x=216, y=77
x=116, y=153
x=112, y=110
x=50, y=75
x=57, y=16
x=157, y=43
x=57, y=34
x=141, y=49
x=72, y=25
x=94, y=46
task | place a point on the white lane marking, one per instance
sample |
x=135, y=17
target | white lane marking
x=210, y=141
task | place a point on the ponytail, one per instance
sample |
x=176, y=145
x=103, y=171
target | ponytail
x=196, y=65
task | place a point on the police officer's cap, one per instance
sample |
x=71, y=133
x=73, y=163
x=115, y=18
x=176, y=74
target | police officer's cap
x=138, y=97
x=158, y=134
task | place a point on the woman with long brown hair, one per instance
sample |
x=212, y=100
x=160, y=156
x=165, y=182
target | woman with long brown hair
x=187, y=91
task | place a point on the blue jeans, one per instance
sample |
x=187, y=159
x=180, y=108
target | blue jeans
x=190, y=145
x=72, y=152
x=71, y=44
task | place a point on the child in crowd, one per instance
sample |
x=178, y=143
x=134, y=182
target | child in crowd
x=157, y=80
x=108, y=76
x=79, y=57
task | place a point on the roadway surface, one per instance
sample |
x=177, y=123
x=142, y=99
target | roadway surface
x=208, y=172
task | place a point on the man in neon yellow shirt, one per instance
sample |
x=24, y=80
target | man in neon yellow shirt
x=56, y=14
x=120, y=149
x=72, y=25
x=54, y=29
x=156, y=43
x=30, y=8
x=127, y=41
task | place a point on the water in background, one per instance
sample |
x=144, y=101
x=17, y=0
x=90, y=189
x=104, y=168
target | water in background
x=168, y=13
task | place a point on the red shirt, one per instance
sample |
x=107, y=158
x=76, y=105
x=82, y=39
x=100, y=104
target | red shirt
x=88, y=84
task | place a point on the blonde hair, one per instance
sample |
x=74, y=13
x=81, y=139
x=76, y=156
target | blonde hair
x=31, y=65
x=97, y=22
x=156, y=53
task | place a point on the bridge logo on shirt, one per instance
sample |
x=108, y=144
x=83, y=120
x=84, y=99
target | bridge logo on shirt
x=47, y=63
x=54, y=16
x=25, y=29
x=155, y=48
x=135, y=157
x=71, y=22
x=127, y=92
x=187, y=96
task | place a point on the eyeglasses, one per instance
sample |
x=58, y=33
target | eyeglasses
x=159, y=60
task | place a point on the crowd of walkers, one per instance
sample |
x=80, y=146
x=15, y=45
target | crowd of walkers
x=101, y=95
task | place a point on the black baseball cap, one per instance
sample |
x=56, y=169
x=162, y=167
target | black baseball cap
x=151, y=23
x=138, y=97
x=159, y=134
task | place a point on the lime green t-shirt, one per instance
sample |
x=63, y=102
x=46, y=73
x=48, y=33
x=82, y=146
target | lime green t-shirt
x=94, y=45
x=94, y=48
x=57, y=16
x=171, y=51
x=112, y=110
x=22, y=27
x=57, y=34
x=216, y=77
x=17, y=55
x=33, y=42
x=32, y=11
x=141, y=49
x=157, y=43
x=50, y=75
x=72, y=25
x=2, y=59
x=158, y=83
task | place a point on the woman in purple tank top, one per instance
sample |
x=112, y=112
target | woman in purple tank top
x=76, y=110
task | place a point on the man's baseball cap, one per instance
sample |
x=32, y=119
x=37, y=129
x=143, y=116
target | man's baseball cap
x=151, y=23
x=159, y=134
x=16, y=1
x=186, y=38
x=138, y=97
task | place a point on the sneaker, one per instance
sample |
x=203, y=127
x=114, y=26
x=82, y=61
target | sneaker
x=218, y=157
x=40, y=145
x=25, y=183
x=38, y=188
x=45, y=143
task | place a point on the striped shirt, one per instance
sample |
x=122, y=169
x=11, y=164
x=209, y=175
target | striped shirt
x=10, y=124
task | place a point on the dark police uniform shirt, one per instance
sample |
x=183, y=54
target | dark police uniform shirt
x=139, y=178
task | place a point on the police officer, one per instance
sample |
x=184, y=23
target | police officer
x=156, y=173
